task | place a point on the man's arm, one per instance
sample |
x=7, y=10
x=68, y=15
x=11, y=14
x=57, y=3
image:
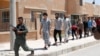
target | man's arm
x=61, y=21
x=49, y=27
x=26, y=30
x=40, y=28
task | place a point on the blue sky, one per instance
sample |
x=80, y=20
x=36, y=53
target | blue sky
x=96, y=1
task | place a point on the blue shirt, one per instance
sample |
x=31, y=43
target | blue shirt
x=89, y=23
x=46, y=25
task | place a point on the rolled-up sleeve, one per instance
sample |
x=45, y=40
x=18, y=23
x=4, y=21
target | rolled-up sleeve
x=26, y=30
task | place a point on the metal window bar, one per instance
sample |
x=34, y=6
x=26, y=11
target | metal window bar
x=4, y=24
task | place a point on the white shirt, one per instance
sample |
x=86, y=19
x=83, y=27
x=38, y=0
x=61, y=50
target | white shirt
x=58, y=23
x=67, y=23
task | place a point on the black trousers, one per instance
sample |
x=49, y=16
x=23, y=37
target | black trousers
x=98, y=28
x=93, y=29
x=80, y=33
x=74, y=33
x=86, y=32
x=55, y=35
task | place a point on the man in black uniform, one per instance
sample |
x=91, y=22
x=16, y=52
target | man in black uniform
x=20, y=32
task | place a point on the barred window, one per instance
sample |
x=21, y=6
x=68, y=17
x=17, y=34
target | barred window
x=61, y=15
x=32, y=16
x=5, y=16
x=41, y=17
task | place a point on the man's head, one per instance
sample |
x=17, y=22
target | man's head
x=98, y=18
x=57, y=15
x=66, y=16
x=45, y=15
x=92, y=18
x=20, y=20
x=85, y=19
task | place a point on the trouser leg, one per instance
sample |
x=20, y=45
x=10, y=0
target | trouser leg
x=46, y=38
x=73, y=34
x=25, y=47
x=16, y=48
x=66, y=35
x=84, y=32
x=60, y=38
x=55, y=33
x=80, y=33
x=98, y=29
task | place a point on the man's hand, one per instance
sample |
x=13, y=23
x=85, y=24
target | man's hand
x=14, y=29
x=19, y=32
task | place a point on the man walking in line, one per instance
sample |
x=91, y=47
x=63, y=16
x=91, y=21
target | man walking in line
x=85, y=23
x=57, y=30
x=20, y=32
x=67, y=27
x=80, y=28
x=94, y=25
x=45, y=25
x=74, y=31
x=89, y=25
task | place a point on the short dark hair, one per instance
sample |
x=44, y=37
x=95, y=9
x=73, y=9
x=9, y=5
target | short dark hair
x=45, y=14
x=20, y=18
x=57, y=14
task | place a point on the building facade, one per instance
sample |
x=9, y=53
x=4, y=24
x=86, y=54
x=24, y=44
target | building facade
x=32, y=12
x=74, y=9
x=78, y=8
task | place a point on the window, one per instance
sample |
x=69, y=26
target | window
x=81, y=2
x=41, y=17
x=5, y=16
x=61, y=15
x=74, y=19
x=32, y=16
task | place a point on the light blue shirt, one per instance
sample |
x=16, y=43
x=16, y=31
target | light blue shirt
x=90, y=23
x=58, y=24
x=45, y=25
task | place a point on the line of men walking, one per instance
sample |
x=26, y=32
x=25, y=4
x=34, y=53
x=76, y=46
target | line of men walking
x=60, y=24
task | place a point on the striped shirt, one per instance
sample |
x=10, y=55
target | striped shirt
x=45, y=24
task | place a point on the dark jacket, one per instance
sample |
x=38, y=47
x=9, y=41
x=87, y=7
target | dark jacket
x=23, y=29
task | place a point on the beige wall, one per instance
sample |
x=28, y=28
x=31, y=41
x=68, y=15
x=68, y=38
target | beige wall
x=97, y=10
x=89, y=9
x=47, y=5
x=73, y=7
x=4, y=4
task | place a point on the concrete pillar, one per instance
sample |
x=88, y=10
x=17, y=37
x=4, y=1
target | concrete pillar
x=38, y=24
x=12, y=22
